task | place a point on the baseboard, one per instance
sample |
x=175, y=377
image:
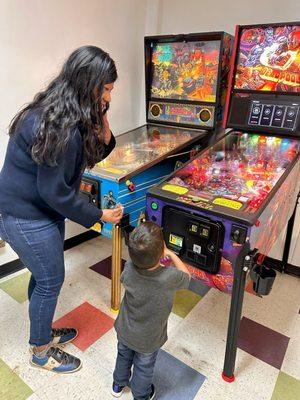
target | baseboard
x=278, y=266
x=16, y=265
x=10, y=267
x=78, y=239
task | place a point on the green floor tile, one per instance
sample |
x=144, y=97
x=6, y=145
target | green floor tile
x=11, y=385
x=286, y=388
x=184, y=302
x=17, y=287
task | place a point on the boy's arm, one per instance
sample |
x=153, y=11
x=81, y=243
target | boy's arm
x=176, y=261
x=128, y=265
x=122, y=277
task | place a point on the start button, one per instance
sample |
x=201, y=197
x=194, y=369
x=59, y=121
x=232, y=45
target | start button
x=154, y=205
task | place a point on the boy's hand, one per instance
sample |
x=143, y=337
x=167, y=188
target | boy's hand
x=167, y=252
x=176, y=260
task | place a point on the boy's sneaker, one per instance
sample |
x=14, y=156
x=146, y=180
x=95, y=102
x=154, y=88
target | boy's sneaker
x=55, y=360
x=63, y=335
x=117, y=390
x=152, y=394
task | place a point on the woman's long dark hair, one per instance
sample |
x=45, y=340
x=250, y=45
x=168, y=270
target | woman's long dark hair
x=71, y=99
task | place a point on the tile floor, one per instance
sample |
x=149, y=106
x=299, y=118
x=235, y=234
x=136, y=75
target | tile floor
x=189, y=365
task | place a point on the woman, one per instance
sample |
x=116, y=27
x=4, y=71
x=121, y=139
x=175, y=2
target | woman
x=60, y=133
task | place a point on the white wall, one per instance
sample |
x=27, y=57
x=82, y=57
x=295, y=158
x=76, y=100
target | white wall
x=35, y=38
x=178, y=16
x=152, y=23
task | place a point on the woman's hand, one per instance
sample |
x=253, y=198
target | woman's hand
x=113, y=215
x=105, y=129
x=105, y=133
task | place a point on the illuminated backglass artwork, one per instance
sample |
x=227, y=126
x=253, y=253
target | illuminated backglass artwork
x=185, y=70
x=269, y=59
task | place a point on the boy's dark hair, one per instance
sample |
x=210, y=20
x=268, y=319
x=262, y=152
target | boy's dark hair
x=146, y=245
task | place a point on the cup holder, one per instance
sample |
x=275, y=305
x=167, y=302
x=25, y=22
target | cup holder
x=263, y=279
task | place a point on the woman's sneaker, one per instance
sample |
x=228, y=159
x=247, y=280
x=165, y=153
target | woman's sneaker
x=63, y=335
x=55, y=360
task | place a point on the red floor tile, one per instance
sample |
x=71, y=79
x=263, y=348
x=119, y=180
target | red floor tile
x=90, y=322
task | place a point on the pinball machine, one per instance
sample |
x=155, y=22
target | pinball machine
x=222, y=211
x=186, y=82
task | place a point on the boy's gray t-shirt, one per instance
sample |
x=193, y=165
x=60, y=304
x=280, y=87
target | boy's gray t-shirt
x=142, y=321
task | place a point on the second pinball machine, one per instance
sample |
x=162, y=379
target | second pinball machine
x=186, y=80
x=223, y=211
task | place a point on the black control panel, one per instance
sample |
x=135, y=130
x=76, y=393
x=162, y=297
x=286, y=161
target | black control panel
x=268, y=113
x=90, y=191
x=197, y=240
x=273, y=115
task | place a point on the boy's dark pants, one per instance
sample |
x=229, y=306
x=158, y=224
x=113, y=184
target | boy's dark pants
x=143, y=368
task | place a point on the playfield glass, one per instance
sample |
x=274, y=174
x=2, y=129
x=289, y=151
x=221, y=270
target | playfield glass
x=238, y=172
x=269, y=59
x=139, y=149
x=185, y=70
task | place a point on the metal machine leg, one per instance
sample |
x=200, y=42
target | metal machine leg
x=237, y=297
x=288, y=238
x=116, y=267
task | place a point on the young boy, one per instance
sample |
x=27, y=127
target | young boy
x=142, y=322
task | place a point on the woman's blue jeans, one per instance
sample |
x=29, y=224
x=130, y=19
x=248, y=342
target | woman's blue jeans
x=40, y=246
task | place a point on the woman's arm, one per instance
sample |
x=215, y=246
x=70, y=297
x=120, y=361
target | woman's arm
x=108, y=148
x=56, y=187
